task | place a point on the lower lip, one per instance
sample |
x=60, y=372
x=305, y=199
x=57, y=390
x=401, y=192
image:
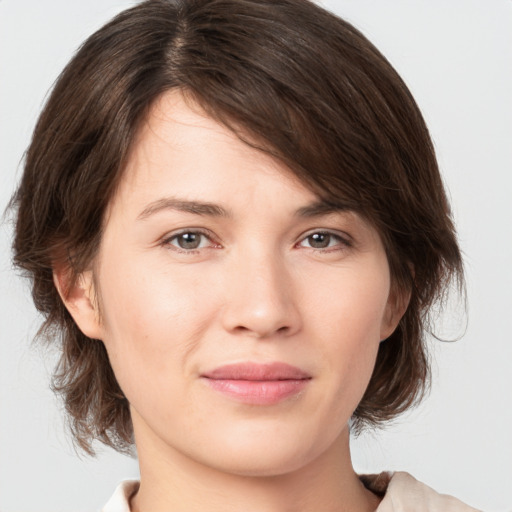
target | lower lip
x=258, y=392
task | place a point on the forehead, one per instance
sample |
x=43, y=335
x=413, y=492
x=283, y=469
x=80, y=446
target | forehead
x=178, y=146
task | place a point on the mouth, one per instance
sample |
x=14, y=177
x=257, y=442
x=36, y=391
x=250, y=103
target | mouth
x=258, y=384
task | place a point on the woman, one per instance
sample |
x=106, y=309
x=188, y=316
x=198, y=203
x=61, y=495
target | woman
x=233, y=216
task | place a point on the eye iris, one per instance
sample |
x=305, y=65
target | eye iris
x=319, y=240
x=189, y=240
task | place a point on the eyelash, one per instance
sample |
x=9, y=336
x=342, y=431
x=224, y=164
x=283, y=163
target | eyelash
x=342, y=242
x=167, y=242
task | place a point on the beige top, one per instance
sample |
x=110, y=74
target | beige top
x=402, y=493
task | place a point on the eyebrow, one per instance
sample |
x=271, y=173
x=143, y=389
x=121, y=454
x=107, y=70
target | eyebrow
x=316, y=209
x=195, y=207
x=319, y=208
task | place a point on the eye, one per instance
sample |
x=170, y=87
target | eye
x=189, y=240
x=324, y=240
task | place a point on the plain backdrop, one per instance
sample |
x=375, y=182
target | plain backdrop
x=456, y=57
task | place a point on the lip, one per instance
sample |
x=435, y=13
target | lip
x=258, y=384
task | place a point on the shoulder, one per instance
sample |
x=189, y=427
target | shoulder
x=403, y=493
x=120, y=500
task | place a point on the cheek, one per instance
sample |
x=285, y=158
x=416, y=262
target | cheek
x=352, y=303
x=152, y=322
x=351, y=324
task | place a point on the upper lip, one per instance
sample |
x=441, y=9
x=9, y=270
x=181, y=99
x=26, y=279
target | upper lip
x=257, y=372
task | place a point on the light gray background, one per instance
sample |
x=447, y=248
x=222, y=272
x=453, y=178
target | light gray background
x=456, y=56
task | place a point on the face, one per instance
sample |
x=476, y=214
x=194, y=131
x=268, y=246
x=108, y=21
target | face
x=236, y=310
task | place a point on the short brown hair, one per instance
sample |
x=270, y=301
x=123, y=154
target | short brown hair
x=285, y=75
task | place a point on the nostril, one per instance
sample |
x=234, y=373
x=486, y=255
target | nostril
x=261, y=332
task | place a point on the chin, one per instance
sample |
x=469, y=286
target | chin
x=266, y=454
x=257, y=464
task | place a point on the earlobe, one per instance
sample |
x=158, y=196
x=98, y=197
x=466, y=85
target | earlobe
x=78, y=295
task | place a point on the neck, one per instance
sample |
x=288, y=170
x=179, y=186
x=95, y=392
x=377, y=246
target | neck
x=172, y=481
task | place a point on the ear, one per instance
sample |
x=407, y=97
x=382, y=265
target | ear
x=79, y=298
x=397, y=304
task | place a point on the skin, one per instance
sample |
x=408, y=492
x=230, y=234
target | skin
x=259, y=287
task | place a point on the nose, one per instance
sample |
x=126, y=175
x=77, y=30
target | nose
x=261, y=298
